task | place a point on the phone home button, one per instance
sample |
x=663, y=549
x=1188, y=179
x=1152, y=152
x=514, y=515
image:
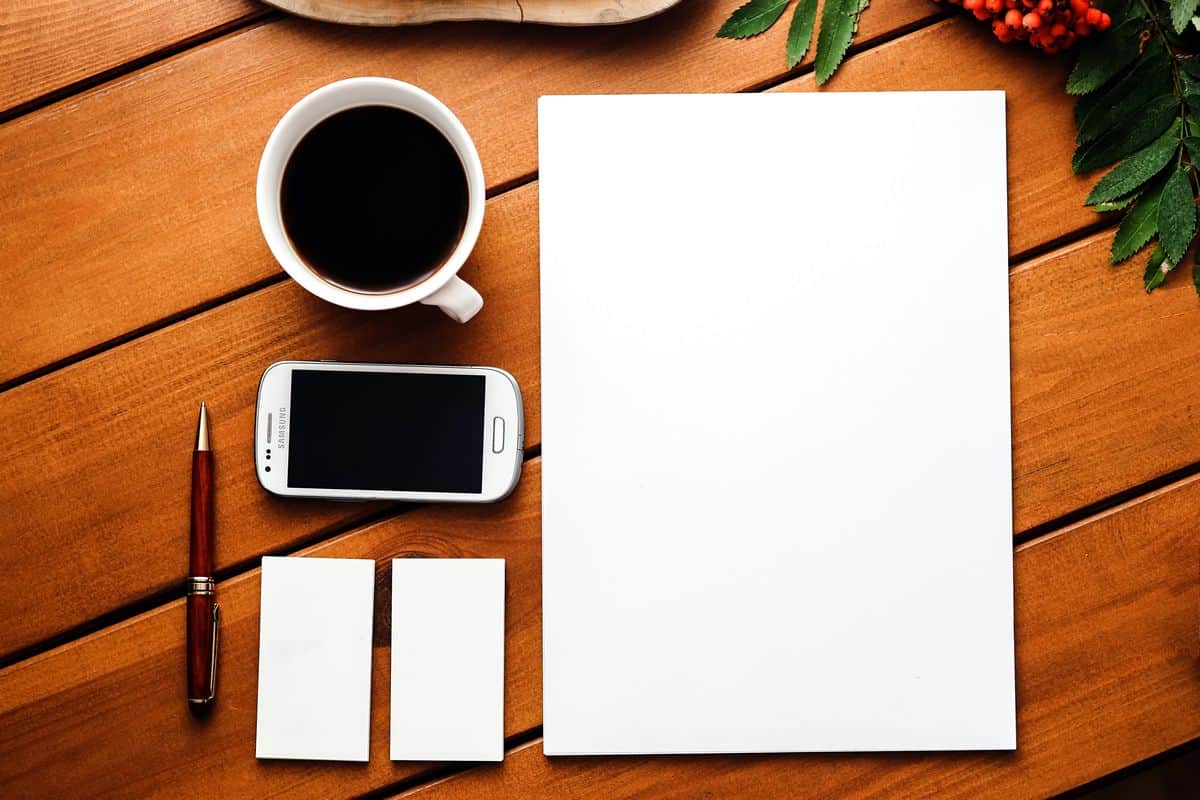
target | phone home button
x=497, y=434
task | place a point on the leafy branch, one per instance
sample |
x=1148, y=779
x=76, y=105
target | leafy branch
x=839, y=21
x=1139, y=87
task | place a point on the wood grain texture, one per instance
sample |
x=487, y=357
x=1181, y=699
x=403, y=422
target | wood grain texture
x=46, y=45
x=1170, y=779
x=1103, y=390
x=1107, y=647
x=1106, y=651
x=1045, y=199
x=418, y=12
x=165, y=220
x=105, y=716
x=1104, y=380
x=124, y=443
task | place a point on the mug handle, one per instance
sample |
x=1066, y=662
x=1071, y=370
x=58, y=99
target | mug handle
x=457, y=299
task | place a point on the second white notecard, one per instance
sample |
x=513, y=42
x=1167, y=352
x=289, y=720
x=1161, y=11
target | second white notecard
x=447, y=659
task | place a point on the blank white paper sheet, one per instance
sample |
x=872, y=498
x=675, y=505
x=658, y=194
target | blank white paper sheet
x=448, y=659
x=314, y=658
x=777, y=481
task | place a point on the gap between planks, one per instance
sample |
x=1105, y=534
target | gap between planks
x=123, y=613
x=237, y=28
x=518, y=741
x=530, y=738
x=525, y=739
x=231, y=28
x=151, y=601
x=1055, y=527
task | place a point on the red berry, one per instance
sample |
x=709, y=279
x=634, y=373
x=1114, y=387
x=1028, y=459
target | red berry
x=1105, y=21
x=1049, y=25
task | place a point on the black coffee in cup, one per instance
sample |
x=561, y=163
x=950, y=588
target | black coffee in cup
x=374, y=199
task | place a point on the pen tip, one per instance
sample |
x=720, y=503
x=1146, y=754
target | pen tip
x=202, y=428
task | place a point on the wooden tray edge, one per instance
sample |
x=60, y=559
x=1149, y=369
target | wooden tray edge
x=391, y=13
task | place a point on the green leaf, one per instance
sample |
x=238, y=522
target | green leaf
x=1192, y=143
x=1137, y=169
x=839, y=21
x=1102, y=56
x=1177, y=215
x=1140, y=129
x=1189, y=83
x=1189, y=75
x=1156, y=269
x=1182, y=12
x=1098, y=112
x=1123, y=11
x=1115, y=205
x=1138, y=227
x=1156, y=58
x=752, y=19
x=800, y=33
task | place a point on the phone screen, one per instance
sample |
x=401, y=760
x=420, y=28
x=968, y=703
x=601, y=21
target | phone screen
x=393, y=431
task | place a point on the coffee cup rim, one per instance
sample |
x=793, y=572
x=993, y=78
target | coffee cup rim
x=323, y=103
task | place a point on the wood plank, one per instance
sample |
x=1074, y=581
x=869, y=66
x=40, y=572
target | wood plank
x=1102, y=402
x=1170, y=779
x=1103, y=380
x=126, y=405
x=165, y=221
x=1106, y=648
x=118, y=430
x=107, y=715
x=50, y=44
x=1045, y=199
x=1106, y=653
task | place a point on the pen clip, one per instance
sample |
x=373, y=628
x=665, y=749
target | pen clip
x=216, y=639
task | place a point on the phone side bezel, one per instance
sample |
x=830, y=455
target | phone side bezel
x=501, y=470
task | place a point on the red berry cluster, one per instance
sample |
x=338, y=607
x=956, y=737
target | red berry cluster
x=1049, y=25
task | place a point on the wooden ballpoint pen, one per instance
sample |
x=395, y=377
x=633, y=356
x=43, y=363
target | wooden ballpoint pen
x=202, y=610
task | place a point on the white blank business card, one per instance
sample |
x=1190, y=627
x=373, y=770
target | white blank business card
x=448, y=659
x=314, y=658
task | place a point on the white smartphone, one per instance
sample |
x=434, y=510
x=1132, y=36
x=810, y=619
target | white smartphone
x=388, y=432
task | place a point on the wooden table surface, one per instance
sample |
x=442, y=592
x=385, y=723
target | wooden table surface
x=136, y=283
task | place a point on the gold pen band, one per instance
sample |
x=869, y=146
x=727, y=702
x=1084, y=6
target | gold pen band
x=200, y=586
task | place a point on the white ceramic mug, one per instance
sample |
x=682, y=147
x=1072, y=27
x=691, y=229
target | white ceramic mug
x=442, y=288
